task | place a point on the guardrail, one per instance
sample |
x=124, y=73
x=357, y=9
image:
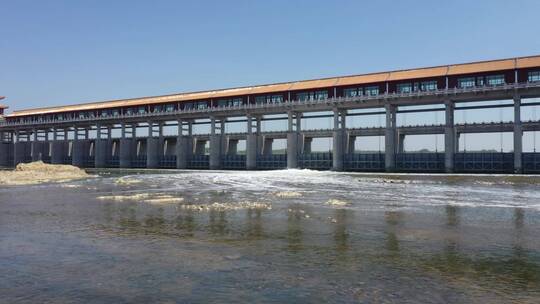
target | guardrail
x=336, y=101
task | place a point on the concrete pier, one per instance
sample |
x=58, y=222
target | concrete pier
x=215, y=152
x=401, y=143
x=57, y=151
x=351, y=144
x=19, y=152
x=338, y=140
x=37, y=150
x=232, y=146
x=5, y=147
x=292, y=150
x=216, y=142
x=184, y=148
x=100, y=150
x=152, y=153
x=306, y=146
x=293, y=138
x=153, y=146
x=390, y=139
x=79, y=152
x=126, y=149
x=267, y=146
x=252, y=143
x=518, y=136
x=251, y=152
x=126, y=146
x=449, y=137
x=200, y=146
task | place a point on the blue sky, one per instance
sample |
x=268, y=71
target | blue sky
x=61, y=52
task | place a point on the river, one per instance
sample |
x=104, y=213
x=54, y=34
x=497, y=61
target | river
x=296, y=236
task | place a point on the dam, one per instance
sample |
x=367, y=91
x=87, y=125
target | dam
x=158, y=131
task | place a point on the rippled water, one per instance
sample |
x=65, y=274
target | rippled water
x=271, y=236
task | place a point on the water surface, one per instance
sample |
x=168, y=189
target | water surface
x=271, y=236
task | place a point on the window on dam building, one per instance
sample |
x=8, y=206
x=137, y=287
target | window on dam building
x=231, y=102
x=417, y=86
x=315, y=95
x=368, y=91
x=199, y=105
x=163, y=108
x=467, y=82
x=534, y=76
x=404, y=87
x=428, y=85
x=353, y=92
x=371, y=90
x=495, y=80
x=269, y=99
x=107, y=113
x=86, y=114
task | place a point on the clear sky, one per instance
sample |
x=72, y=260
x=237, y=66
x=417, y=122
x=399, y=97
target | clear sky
x=61, y=52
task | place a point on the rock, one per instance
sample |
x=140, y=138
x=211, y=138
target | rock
x=39, y=172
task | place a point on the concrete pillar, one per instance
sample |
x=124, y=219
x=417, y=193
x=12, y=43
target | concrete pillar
x=215, y=146
x=389, y=138
x=306, y=149
x=36, y=148
x=125, y=148
x=4, y=153
x=18, y=152
x=152, y=152
x=100, y=149
x=16, y=149
x=183, y=151
x=232, y=146
x=161, y=137
x=200, y=146
x=251, y=143
x=251, y=151
x=292, y=143
x=79, y=153
x=267, y=146
x=338, y=140
x=184, y=145
x=449, y=138
x=215, y=152
x=57, y=149
x=401, y=143
x=125, y=152
x=292, y=150
x=3, y=150
x=100, y=153
x=351, y=142
x=80, y=148
x=518, y=136
x=152, y=148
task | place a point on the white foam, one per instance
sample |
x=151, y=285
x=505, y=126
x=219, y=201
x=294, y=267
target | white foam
x=317, y=187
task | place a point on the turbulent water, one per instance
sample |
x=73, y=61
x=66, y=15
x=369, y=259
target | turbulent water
x=271, y=236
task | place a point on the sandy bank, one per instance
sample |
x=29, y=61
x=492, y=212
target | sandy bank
x=39, y=172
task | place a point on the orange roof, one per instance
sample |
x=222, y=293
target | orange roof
x=361, y=79
x=466, y=68
x=418, y=73
x=527, y=62
x=479, y=67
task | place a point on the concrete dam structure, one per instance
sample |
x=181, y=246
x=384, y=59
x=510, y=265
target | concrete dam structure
x=158, y=132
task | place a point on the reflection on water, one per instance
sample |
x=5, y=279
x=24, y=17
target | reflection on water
x=412, y=240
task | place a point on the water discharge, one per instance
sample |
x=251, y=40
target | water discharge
x=272, y=236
